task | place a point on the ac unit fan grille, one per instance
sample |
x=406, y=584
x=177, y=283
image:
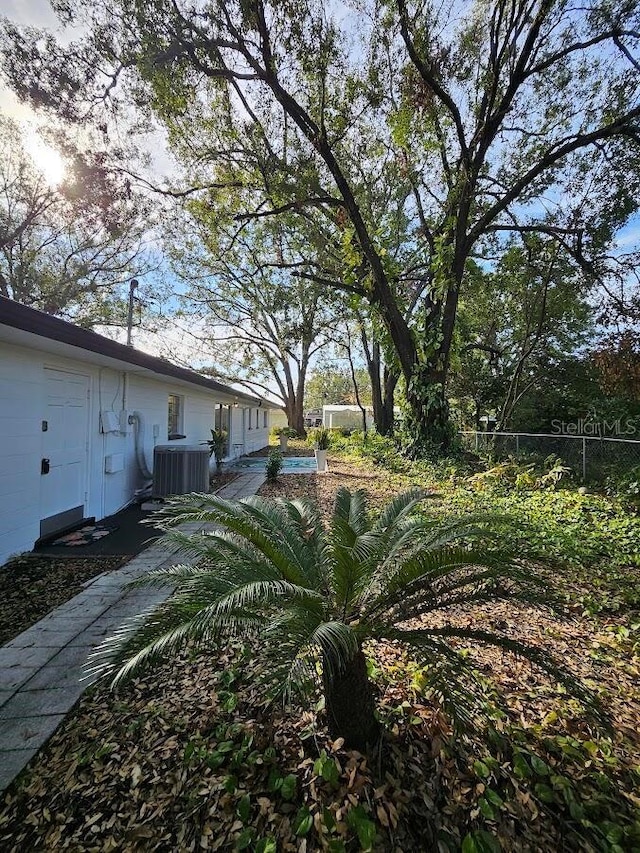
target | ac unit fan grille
x=180, y=470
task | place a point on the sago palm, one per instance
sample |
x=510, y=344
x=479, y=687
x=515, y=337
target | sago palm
x=311, y=595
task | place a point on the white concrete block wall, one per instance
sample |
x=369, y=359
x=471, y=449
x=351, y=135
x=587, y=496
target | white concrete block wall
x=20, y=438
x=22, y=406
x=256, y=434
x=277, y=418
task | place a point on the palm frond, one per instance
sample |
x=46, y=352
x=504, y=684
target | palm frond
x=409, y=542
x=168, y=576
x=352, y=566
x=401, y=506
x=450, y=678
x=490, y=578
x=264, y=524
x=263, y=593
x=358, y=518
x=150, y=637
x=418, y=575
x=338, y=644
x=349, y=514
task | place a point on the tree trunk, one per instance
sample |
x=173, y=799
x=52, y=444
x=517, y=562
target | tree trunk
x=382, y=390
x=427, y=419
x=386, y=411
x=298, y=424
x=296, y=416
x=373, y=369
x=350, y=705
x=294, y=411
x=354, y=382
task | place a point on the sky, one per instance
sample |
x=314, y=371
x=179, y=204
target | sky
x=160, y=337
x=38, y=13
x=170, y=340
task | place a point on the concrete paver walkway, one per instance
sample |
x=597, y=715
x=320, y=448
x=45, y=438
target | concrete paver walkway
x=40, y=670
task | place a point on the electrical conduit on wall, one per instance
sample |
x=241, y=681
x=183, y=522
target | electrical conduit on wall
x=138, y=441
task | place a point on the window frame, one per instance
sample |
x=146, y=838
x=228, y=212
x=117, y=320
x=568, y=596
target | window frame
x=175, y=412
x=222, y=412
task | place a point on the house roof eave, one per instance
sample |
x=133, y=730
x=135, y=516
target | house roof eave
x=43, y=331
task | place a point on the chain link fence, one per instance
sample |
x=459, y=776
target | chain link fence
x=589, y=458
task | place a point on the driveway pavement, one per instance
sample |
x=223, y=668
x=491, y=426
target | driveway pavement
x=40, y=670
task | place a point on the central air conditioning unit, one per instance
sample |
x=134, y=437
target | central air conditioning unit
x=180, y=469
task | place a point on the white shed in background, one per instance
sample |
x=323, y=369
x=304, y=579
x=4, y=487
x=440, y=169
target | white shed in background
x=80, y=416
x=345, y=417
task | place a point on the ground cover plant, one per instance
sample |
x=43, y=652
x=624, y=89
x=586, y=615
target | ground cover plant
x=192, y=756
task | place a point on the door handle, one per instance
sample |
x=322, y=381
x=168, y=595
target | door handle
x=45, y=465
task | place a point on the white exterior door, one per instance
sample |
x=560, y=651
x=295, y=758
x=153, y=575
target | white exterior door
x=65, y=439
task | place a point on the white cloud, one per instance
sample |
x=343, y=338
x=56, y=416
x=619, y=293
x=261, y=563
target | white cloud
x=31, y=13
x=629, y=236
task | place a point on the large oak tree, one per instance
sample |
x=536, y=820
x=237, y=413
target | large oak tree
x=265, y=326
x=499, y=118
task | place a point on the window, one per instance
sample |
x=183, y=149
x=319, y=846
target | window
x=264, y=419
x=175, y=426
x=257, y=418
x=222, y=420
x=249, y=419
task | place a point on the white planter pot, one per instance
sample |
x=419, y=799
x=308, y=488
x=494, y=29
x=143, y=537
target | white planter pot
x=283, y=442
x=321, y=460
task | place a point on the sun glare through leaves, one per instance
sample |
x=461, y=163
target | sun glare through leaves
x=46, y=159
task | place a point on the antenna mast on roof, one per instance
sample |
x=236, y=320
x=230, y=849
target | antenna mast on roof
x=132, y=286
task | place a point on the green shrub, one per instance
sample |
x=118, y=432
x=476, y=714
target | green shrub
x=626, y=486
x=217, y=445
x=274, y=465
x=512, y=473
x=320, y=438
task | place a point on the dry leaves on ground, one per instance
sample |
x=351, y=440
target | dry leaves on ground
x=190, y=757
x=33, y=585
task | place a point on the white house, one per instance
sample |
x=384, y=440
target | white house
x=80, y=416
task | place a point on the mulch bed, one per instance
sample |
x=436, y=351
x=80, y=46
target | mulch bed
x=190, y=758
x=222, y=478
x=33, y=585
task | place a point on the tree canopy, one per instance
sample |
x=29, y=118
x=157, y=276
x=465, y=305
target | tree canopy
x=264, y=325
x=66, y=247
x=457, y=125
x=516, y=324
x=329, y=384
